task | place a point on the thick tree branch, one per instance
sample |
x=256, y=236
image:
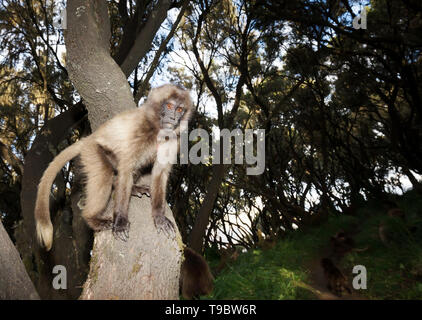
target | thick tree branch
x=11, y=159
x=94, y=73
x=148, y=265
x=14, y=281
x=144, y=39
x=153, y=66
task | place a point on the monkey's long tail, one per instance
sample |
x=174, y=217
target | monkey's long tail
x=42, y=210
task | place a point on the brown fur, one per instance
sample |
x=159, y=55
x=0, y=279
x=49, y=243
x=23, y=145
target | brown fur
x=266, y=243
x=336, y=280
x=227, y=255
x=396, y=213
x=341, y=244
x=108, y=157
x=196, y=278
x=384, y=231
x=122, y=145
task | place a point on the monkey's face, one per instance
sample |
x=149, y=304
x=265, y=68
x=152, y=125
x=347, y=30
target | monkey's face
x=172, y=112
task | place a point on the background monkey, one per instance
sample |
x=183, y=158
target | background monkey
x=122, y=145
x=397, y=213
x=394, y=229
x=196, y=278
x=341, y=244
x=336, y=280
x=227, y=255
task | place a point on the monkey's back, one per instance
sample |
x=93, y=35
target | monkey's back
x=130, y=137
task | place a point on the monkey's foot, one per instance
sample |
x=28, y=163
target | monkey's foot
x=121, y=227
x=139, y=190
x=162, y=223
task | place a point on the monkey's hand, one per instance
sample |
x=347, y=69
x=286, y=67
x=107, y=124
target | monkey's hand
x=121, y=227
x=162, y=223
x=139, y=190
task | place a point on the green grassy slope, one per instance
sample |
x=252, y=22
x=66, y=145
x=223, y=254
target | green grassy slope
x=283, y=272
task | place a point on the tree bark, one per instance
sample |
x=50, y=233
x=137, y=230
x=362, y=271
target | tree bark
x=202, y=219
x=93, y=72
x=148, y=265
x=14, y=281
x=144, y=39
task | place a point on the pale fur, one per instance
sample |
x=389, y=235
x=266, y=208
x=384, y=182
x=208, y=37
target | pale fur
x=130, y=137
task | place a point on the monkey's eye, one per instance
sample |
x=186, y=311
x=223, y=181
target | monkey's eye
x=179, y=109
x=169, y=106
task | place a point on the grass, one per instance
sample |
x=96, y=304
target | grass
x=278, y=273
x=393, y=272
x=271, y=274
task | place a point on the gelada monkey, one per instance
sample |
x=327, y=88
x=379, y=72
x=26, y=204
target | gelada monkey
x=113, y=153
x=336, y=280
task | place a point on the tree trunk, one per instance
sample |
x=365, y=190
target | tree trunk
x=148, y=265
x=14, y=281
x=202, y=219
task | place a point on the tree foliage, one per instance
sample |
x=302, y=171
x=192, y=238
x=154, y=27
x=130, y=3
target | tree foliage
x=341, y=109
